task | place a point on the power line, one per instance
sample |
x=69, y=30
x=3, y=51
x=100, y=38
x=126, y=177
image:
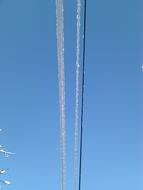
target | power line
x=61, y=80
x=76, y=132
x=82, y=98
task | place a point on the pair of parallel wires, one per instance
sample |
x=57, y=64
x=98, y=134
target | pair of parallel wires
x=61, y=78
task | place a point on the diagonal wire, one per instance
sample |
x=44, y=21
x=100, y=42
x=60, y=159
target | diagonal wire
x=76, y=133
x=82, y=99
x=61, y=78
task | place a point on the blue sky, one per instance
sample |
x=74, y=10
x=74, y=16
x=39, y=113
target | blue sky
x=29, y=108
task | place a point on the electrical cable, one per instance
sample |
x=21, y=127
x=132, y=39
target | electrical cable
x=82, y=98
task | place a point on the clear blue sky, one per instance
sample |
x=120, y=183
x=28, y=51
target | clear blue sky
x=29, y=108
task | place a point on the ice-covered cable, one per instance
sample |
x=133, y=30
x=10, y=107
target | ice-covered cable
x=77, y=93
x=61, y=79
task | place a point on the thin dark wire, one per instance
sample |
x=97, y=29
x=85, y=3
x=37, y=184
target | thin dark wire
x=82, y=100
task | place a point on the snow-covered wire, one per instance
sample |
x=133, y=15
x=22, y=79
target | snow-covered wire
x=76, y=134
x=61, y=78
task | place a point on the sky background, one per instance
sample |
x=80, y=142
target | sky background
x=29, y=107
